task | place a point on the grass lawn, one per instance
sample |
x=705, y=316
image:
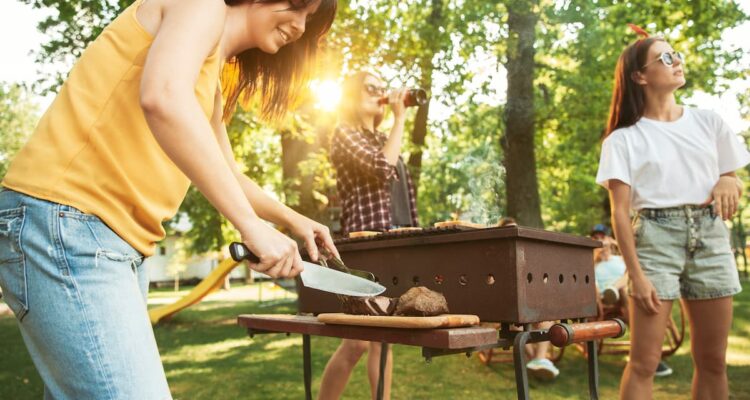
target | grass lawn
x=206, y=356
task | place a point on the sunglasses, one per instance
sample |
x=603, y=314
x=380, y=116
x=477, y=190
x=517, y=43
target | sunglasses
x=667, y=58
x=373, y=90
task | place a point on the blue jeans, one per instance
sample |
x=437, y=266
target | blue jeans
x=79, y=293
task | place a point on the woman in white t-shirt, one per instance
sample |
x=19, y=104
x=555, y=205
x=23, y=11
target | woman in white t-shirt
x=673, y=166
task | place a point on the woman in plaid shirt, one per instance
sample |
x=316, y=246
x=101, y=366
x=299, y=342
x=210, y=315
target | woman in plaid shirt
x=374, y=186
x=376, y=194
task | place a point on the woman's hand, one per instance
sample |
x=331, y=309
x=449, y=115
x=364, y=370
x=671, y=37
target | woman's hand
x=279, y=256
x=313, y=234
x=725, y=196
x=644, y=294
x=396, y=101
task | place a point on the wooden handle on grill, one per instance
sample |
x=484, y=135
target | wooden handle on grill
x=562, y=335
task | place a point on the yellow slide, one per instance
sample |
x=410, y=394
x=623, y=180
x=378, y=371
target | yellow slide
x=213, y=281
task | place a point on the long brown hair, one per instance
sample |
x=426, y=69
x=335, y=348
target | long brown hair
x=351, y=98
x=628, y=98
x=278, y=77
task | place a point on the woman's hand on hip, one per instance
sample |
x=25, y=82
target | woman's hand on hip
x=644, y=294
x=278, y=254
x=725, y=197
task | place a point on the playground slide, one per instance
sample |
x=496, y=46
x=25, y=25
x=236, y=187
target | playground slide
x=213, y=281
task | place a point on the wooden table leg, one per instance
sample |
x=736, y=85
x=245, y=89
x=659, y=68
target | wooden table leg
x=519, y=362
x=307, y=366
x=593, y=370
x=381, y=375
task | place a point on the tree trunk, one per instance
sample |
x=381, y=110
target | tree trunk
x=419, y=131
x=418, y=134
x=293, y=151
x=522, y=190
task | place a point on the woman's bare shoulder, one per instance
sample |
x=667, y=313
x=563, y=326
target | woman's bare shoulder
x=150, y=13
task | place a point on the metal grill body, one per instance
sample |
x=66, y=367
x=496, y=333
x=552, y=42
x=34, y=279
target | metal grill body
x=511, y=274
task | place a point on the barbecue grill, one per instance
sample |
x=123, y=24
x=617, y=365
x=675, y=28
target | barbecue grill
x=512, y=275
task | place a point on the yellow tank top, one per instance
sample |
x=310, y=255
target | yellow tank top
x=93, y=150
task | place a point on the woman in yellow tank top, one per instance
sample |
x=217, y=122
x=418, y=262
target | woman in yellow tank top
x=138, y=120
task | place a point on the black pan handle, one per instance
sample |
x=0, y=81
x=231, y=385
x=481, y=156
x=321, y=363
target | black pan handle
x=240, y=252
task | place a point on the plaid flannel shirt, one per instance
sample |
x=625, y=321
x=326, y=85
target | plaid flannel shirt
x=364, y=180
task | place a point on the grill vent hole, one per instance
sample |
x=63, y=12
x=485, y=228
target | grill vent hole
x=561, y=278
x=462, y=280
x=490, y=279
x=575, y=278
x=529, y=277
x=415, y=279
x=545, y=278
x=587, y=279
x=439, y=279
x=395, y=280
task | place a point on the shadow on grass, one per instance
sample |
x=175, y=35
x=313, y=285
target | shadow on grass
x=207, y=356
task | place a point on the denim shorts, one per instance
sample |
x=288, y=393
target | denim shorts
x=685, y=252
x=78, y=292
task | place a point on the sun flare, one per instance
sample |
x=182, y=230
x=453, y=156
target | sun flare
x=327, y=94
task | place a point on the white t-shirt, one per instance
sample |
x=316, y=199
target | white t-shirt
x=669, y=164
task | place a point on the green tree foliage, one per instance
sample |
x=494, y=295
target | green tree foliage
x=431, y=44
x=742, y=219
x=258, y=150
x=18, y=116
x=582, y=41
x=459, y=51
x=70, y=27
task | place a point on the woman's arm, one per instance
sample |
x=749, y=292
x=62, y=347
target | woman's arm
x=188, y=33
x=642, y=291
x=392, y=147
x=351, y=149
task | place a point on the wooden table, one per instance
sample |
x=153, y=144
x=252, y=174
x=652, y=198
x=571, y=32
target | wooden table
x=434, y=342
x=445, y=341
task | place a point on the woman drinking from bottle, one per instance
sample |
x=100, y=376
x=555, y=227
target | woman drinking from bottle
x=377, y=194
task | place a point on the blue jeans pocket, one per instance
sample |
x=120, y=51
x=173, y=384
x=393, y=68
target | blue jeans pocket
x=89, y=243
x=639, y=227
x=12, y=262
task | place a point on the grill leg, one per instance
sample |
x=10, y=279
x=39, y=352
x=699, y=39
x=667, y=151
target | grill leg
x=519, y=361
x=381, y=375
x=307, y=366
x=593, y=370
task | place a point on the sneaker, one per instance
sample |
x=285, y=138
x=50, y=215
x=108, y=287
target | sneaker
x=610, y=296
x=663, y=369
x=542, y=369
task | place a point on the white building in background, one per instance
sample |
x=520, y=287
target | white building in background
x=198, y=267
